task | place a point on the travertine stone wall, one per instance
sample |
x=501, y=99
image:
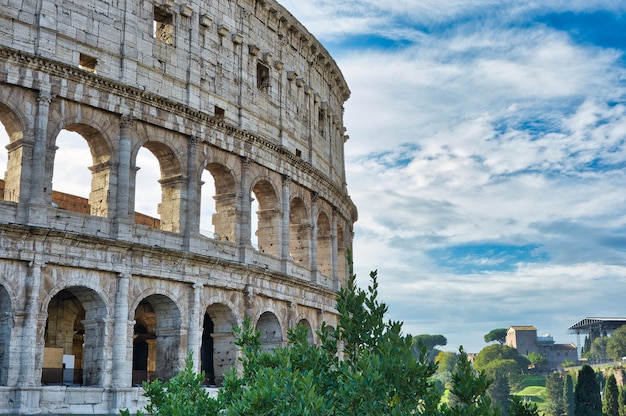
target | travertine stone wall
x=236, y=89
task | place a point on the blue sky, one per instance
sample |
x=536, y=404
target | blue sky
x=486, y=157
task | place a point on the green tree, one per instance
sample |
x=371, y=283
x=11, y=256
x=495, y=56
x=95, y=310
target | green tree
x=182, y=395
x=519, y=408
x=468, y=394
x=568, y=395
x=610, y=403
x=587, y=393
x=554, y=395
x=622, y=401
x=492, y=353
x=379, y=375
x=500, y=392
x=598, y=353
x=498, y=335
x=616, y=344
x=538, y=361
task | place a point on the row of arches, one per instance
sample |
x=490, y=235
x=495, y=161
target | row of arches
x=75, y=343
x=121, y=169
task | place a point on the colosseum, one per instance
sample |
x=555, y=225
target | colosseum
x=240, y=110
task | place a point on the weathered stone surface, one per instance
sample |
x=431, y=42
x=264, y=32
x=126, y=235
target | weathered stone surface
x=242, y=93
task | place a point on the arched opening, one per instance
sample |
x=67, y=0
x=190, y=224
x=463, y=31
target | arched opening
x=271, y=334
x=156, y=340
x=218, y=352
x=11, y=149
x=299, y=233
x=81, y=171
x=268, y=220
x=163, y=177
x=6, y=323
x=74, y=338
x=342, y=271
x=305, y=324
x=4, y=143
x=324, y=245
x=218, y=218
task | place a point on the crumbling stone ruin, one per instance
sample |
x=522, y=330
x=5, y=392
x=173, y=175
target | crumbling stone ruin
x=94, y=297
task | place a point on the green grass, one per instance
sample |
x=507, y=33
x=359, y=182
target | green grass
x=533, y=388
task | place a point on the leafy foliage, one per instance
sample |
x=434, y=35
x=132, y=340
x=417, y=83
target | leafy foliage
x=498, y=335
x=182, y=395
x=554, y=392
x=610, y=404
x=587, y=393
x=377, y=375
x=616, y=344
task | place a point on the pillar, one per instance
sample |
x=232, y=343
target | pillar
x=121, y=376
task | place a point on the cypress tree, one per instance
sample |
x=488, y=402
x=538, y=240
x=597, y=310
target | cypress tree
x=554, y=392
x=587, y=393
x=568, y=396
x=610, y=406
x=622, y=401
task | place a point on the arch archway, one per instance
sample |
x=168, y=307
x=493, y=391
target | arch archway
x=82, y=170
x=11, y=135
x=218, y=352
x=166, y=212
x=156, y=339
x=271, y=333
x=299, y=232
x=6, y=324
x=324, y=245
x=305, y=324
x=219, y=202
x=74, y=338
x=267, y=216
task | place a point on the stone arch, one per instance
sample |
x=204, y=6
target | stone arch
x=307, y=325
x=75, y=337
x=6, y=325
x=299, y=232
x=12, y=176
x=324, y=244
x=172, y=183
x=156, y=339
x=271, y=333
x=224, y=209
x=342, y=261
x=268, y=215
x=98, y=201
x=218, y=352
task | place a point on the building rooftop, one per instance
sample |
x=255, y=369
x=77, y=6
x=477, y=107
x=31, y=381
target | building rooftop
x=603, y=324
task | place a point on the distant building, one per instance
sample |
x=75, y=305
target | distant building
x=525, y=340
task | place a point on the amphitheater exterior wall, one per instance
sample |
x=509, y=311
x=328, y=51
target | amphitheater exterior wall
x=96, y=297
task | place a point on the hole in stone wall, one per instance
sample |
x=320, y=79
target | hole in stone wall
x=88, y=63
x=262, y=77
x=163, y=25
x=219, y=112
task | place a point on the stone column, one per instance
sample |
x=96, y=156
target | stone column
x=334, y=262
x=314, y=232
x=121, y=374
x=28, y=350
x=122, y=213
x=192, y=217
x=285, y=223
x=193, y=335
x=244, y=237
x=38, y=189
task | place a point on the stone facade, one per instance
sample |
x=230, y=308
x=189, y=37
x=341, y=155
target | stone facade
x=525, y=340
x=94, y=298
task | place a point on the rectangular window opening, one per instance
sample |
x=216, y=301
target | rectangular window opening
x=298, y=153
x=163, y=26
x=88, y=63
x=220, y=112
x=262, y=77
x=321, y=122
